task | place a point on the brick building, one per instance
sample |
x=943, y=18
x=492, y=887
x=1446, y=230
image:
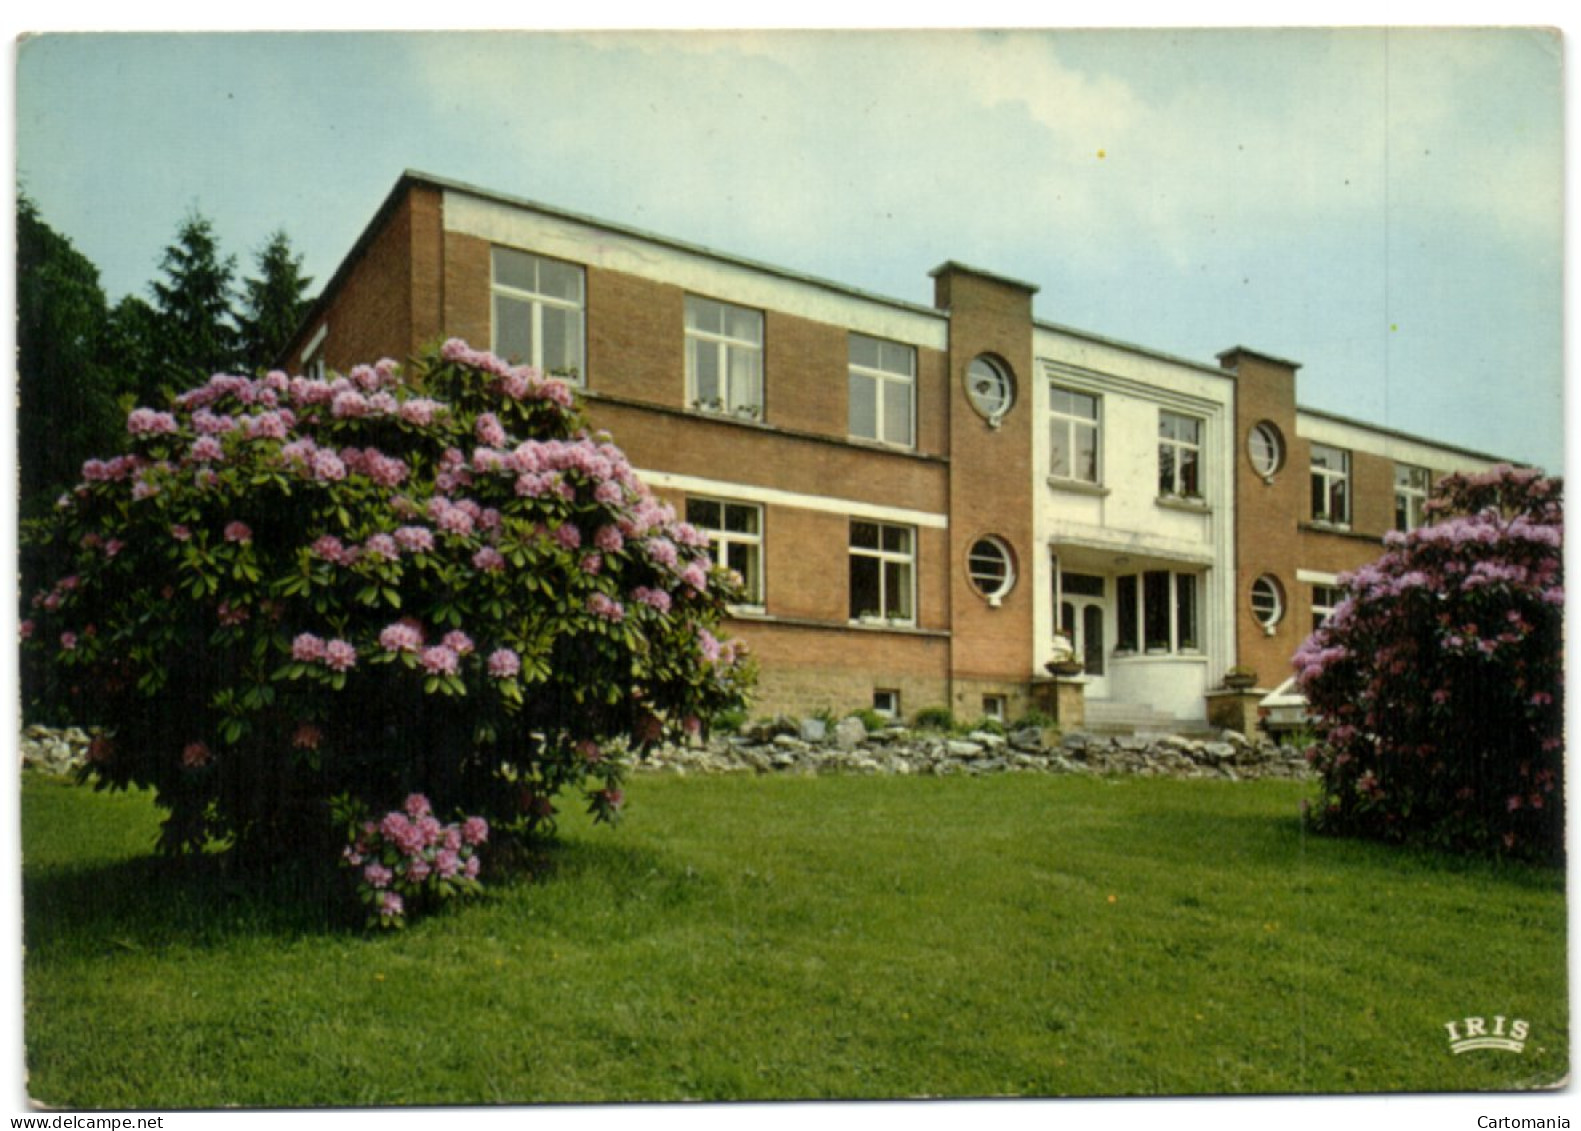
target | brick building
x=918, y=496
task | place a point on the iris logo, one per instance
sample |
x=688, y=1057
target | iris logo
x=1470, y=1033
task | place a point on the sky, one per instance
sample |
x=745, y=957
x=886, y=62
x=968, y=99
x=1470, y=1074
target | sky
x=1384, y=207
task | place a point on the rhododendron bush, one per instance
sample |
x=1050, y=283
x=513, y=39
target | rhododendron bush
x=1437, y=684
x=432, y=581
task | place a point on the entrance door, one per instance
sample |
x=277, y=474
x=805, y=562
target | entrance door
x=1083, y=613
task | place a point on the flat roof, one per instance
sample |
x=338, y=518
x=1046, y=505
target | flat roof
x=416, y=177
x=1413, y=437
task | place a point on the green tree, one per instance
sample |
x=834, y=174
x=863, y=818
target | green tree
x=275, y=301
x=134, y=348
x=66, y=410
x=194, y=302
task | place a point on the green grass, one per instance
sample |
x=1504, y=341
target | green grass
x=803, y=937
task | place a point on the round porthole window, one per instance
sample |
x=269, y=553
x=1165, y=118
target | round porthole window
x=1266, y=447
x=990, y=388
x=991, y=569
x=1268, y=602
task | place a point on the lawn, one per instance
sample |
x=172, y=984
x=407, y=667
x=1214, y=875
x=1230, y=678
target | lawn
x=775, y=937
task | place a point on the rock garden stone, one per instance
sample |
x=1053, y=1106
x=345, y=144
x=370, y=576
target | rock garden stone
x=849, y=733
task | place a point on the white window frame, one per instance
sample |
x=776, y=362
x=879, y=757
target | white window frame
x=312, y=358
x=1265, y=447
x=537, y=302
x=1174, y=448
x=1321, y=610
x=1136, y=583
x=994, y=585
x=886, y=702
x=1331, y=477
x=1412, y=485
x=1264, y=588
x=741, y=404
x=1069, y=423
x=995, y=707
x=721, y=540
x=883, y=378
x=906, y=558
x=991, y=388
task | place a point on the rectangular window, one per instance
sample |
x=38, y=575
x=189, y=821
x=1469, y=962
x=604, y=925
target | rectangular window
x=1155, y=610
x=883, y=377
x=1186, y=612
x=1127, y=614
x=538, y=307
x=735, y=539
x=724, y=358
x=312, y=354
x=882, y=575
x=1179, y=455
x=1158, y=613
x=1325, y=599
x=1411, y=485
x=1073, y=435
x=994, y=707
x=886, y=703
x=1330, y=485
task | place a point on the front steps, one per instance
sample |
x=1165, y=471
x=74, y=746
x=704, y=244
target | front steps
x=1107, y=717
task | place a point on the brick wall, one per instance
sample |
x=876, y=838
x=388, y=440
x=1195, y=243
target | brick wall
x=700, y=445
x=636, y=345
x=389, y=301
x=804, y=375
x=990, y=473
x=1372, y=484
x=806, y=669
x=1267, y=540
x=468, y=274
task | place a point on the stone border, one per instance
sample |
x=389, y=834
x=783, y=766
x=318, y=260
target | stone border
x=807, y=747
x=54, y=751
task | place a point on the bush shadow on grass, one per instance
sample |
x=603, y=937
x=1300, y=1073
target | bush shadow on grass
x=151, y=902
x=1293, y=835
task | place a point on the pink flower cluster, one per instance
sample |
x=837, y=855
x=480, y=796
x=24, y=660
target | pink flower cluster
x=454, y=518
x=656, y=599
x=516, y=382
x=109, y=471
x=421, y=411
x=147, y=422
x=504, y=663
x=602, y=605
x=206, y=449
x=336, y=655
x=488, y=560
x=410, y=854
x=415, y=539
x=441, y=659
x=404, y=635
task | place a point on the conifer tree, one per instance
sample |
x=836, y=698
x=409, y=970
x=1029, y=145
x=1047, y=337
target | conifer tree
x=275, y=301
x=194, y=302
